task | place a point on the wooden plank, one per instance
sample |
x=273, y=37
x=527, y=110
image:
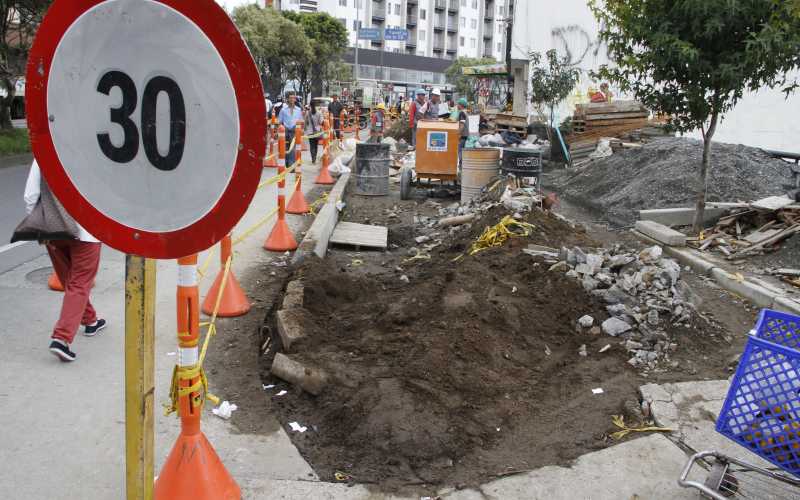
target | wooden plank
x=772, y=203
x=759, y=236
x=360, y=235
x=615, y=116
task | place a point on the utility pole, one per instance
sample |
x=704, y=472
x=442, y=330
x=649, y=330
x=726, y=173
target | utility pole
x=358, y=27
x=510, y=76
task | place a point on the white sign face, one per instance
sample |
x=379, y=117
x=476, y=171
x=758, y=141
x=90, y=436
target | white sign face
x=143, y=114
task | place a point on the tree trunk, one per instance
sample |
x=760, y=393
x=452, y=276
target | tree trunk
x=702, y=186
x=316, y=80
x=5, y=104
x=274, y=80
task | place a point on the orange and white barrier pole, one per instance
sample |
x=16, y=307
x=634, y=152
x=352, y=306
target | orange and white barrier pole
x=233, y=301
x=281, y=238
x=193, y=469
x=324, y=177
x=298, y=204
x=270, y=160
x=356, y=125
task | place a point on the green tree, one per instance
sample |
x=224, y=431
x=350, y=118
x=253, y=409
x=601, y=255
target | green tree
x=552, y=83
x=18, y=23
x=461, y=82
x=694, y=59
x=328, y=38
x=276, y=43
x=336, y=71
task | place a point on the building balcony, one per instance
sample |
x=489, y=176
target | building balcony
x=438, y=45
x=376, y=43
x=451, y=50
x=378, y=13
x=438, y=24
x=452, y=6
x=488, y=16
x=411, y=20
x=452, y=27
x=411, y=43
x=487, y=35
x=439, y=4
x=487, y=53
x=412, y=2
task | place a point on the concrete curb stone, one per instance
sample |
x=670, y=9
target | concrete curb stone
x=317, y=236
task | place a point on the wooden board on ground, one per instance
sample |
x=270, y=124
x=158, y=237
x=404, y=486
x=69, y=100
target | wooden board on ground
x=360, y=235
x=772, y=203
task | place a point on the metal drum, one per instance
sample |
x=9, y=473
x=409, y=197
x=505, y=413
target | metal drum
x=522, y=162
x=372, y=169
x=479, y=166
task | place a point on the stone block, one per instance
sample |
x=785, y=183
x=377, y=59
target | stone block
x=661, y=233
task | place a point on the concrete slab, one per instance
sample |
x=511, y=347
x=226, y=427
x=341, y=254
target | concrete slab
x=292, y=326
x=661, y=233
x=642, y=468
x=316, y=239
x=681, y=216
x=294, y=295
x=691, y=409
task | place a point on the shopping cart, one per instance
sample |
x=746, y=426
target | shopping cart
x=762, y=414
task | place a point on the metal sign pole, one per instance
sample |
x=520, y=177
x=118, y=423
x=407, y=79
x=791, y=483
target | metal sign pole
x=140, y=285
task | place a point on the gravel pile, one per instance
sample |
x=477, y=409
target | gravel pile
x=663, y=174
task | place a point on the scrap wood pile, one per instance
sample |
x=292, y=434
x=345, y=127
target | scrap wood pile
x=627, y=122
x=752, y=228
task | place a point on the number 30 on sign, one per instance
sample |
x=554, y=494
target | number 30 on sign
x=146, y=117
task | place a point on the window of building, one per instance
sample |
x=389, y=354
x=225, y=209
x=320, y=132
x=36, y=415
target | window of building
x=499, y=28
x=422, y=14
x=473, y=23
x=421, y=35
x=472, y=43
x=463, y=22
x=461, y=41
x=397, y=9
x=343, y=3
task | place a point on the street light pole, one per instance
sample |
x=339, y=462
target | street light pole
x=358, y=27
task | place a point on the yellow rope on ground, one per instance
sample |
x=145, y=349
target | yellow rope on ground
x=319, y=201
x=501, y=232
x=255, y=226
x=619, y=421
x=276, y=178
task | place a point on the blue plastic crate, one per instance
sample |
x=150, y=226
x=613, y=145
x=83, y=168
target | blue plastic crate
x=762, y=410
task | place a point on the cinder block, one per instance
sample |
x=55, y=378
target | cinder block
x=293, y=326
x=661, y=233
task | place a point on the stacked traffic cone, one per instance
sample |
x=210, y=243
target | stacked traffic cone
x=281, y=238
x=297, y=204
x=193, y=470
x=324, y=177
x=233, y=301
x=54, y=283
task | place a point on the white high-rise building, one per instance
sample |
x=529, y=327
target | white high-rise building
x=437, y=28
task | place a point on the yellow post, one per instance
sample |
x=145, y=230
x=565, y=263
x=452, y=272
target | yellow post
x=140, y=287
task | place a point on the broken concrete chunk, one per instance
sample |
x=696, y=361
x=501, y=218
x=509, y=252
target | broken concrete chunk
x=585, y=269
x=293, y=325
x=559, y=267
x=293, y=299
x=572, y=274
x=595, y=262
x=652, y=317
x=589, y=283
x=619, y=261
x=670, y=270
x=580, y=255
x=311, y=380
x=617, y=309
x=651, y=254
x=615, y=327
x=631, y=345
x=586, y=321
x=661, y=233
x=582, y=350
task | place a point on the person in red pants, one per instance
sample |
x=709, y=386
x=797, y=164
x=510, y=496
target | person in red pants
x=76, y=263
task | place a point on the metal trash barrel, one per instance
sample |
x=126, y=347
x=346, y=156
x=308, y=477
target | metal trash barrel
x=523, y=163
x=479, y=166
x=372, y=169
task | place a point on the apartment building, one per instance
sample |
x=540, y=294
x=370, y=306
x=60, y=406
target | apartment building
x=437, y=28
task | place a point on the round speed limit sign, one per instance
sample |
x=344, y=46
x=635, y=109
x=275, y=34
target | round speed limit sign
x=146, y=118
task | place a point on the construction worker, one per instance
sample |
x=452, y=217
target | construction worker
x=604, y=95
x=416, y=112
x=377, y=122
x=432, y=111
x=463, y=127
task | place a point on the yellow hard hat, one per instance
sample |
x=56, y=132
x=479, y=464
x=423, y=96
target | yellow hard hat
x=381, y=106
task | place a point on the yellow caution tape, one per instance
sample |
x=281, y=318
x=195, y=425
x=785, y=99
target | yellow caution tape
x=501, y=232
x=319, y=201
x=247, y=232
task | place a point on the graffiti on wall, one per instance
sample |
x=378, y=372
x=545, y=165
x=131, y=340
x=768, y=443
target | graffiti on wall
x=576, y=44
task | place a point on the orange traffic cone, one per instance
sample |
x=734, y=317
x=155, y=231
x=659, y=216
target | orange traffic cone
x=233, y=301
x=193, y=470
x=324, y=177
x=298, y=204
x=54, y=283
x=281, y=238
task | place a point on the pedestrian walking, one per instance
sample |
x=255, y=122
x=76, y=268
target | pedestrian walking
x=400, y=106
x=268, y=103
x=416, y=112
x=288, y=117
x=75, y=255
x=377, y=123
x=335, y=108
x=313, y=126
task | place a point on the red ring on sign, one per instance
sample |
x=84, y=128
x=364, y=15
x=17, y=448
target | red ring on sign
x=220, y=220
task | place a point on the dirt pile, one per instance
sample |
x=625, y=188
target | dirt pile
x=663, y=174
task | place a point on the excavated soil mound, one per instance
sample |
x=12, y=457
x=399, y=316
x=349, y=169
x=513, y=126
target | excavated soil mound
x=663, y=174
x=467, y=372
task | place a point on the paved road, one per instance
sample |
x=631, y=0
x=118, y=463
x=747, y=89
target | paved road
x=12, y=210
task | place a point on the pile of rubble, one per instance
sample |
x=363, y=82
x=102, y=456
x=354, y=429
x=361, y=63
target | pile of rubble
x=643, y=292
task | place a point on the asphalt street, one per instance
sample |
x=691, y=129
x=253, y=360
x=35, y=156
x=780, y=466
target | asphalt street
x=12, y=210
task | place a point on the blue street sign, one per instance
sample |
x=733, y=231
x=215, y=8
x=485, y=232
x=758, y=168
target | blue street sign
x=369, y=33
x=397, y=34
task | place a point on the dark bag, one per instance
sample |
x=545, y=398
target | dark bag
x=47, y=221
